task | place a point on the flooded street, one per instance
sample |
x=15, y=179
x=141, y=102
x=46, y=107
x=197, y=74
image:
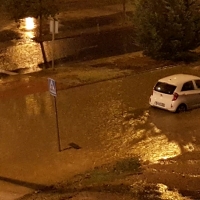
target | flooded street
x=25, y=55
x=107, y=121
x=98, y=124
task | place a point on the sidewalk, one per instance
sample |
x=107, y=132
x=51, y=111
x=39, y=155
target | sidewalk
x=95, y=12
x=79, y=22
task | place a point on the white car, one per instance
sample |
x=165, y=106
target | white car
x=176, y=93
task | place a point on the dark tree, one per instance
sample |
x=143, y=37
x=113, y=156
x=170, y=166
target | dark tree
x=167, y=28
x=30, y=8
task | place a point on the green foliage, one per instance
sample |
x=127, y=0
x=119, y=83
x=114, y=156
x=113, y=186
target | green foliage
x=30, y=8
x=166, y=28
x=110, y=172
x=127, y=165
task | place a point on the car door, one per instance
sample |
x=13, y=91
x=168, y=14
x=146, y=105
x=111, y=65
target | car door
x=189, y=94
x=197, y=87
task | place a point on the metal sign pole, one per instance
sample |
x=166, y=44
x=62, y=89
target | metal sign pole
x=53, y=92
x=57, y=126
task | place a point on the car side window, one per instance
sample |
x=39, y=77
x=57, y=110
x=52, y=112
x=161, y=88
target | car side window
x=188, y=86
x=197, y=83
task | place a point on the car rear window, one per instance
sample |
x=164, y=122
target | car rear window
x=164, y=88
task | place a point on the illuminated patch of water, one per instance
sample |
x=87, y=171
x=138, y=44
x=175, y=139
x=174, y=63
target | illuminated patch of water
x=170, y=195
x=156, y=148
x=28, y=27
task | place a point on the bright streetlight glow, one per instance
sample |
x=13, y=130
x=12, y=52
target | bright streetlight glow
x=29, y=23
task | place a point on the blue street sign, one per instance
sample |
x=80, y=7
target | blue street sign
x=52, y=86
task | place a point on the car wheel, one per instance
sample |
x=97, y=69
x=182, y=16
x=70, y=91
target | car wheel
x=181, y=108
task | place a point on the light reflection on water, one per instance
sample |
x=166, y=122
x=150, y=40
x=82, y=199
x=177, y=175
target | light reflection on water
x=35, y=105
x=29, y=25
x=23, y=53
x=155, y=148
x=189, y=147
x=170, y=195
x=139, y=136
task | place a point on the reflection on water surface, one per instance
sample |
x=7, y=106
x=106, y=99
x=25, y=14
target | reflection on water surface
x=139, y=136
x=170, y=195
x=30, y=24
x=156, y=147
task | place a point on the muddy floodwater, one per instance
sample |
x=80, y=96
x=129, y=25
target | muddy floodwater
x=108, y=121
x=24, y=55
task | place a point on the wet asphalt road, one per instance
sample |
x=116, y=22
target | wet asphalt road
x=107, y=120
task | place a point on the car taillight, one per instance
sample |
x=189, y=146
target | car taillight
x=175, y=96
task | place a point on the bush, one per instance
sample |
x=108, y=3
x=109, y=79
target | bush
x=167, y=28
x=186, y=57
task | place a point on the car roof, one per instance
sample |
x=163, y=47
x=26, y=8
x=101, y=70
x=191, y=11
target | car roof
x=178, y=78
